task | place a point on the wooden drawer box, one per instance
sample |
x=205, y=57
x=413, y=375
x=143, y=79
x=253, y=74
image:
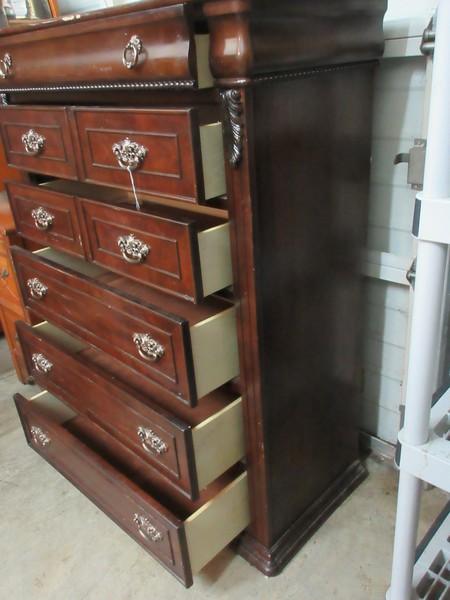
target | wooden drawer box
x=189, y=350
x=38, y=139
x=181, y=535
x=170, y=152
x=190, y=455
x=81, y=55
x=181, y=253
x=188, y=256
x=46, y=217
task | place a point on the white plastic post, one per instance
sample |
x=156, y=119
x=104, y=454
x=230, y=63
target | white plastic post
x=426, y=317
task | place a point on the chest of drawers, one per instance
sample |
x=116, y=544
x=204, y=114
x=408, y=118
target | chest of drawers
x=195, y=175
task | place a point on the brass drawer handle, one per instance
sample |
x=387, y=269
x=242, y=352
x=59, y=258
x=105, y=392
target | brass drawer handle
x=5, y=66
x=146, y=528
x=133, y=250
x=131, y=52
x=130, y=155
x=37, y=289
x=39, y=437
x=4, y=274
x=42, y=218
x=41, y=363
x=147, y=347
x=151, y=442
x=34, y=142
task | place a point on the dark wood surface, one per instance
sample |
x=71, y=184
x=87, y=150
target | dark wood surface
x=91, y=229
x=57, y=156
x=115, y=407
x=296, y=82
x=90, y=50
x=76, y=303
x=119, y=496
x=64, y=232
x=170, y=167
x=298, y=278
x=172, y=262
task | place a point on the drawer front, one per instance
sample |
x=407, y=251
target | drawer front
x=163, y=144
x=93, y=52
x=165, y=251
x=9, y=293
x=109, y=321
x=46, y=217
x=137, y=513
x=161, y=440
x=39, y=140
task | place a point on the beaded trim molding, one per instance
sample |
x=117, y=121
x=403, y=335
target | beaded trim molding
x=171, y=84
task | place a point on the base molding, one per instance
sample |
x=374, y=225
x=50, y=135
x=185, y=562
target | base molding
x=271, y=561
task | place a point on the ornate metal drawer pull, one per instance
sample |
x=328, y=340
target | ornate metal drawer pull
x=34, y=142
x=37, y=289
x=4, y=274
x=151, y=442
x=133, y=250
x=130, y=155
x=41, y=363
x=146, y=528
x=5, y=66
x=147, y=347
x=39, y=437
x=42, y=218
x=131, y=52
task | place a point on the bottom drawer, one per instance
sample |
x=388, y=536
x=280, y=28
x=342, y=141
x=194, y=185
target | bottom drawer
x=182, y=535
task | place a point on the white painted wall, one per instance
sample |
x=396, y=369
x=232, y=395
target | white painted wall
x=398, y=119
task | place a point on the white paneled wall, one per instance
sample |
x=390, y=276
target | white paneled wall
x=398, y=113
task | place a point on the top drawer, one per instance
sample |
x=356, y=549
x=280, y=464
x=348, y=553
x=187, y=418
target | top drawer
x=38, y=139
x=143, y=49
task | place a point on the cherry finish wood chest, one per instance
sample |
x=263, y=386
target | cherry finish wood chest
x=195, y=178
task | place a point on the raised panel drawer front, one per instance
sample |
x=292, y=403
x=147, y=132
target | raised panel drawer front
x=142, y=49
x=167, y=151
x=189, y=350
x=188, y=256
x=188, y=455
x=39, y=140
x=46, y=217
x=183, y=536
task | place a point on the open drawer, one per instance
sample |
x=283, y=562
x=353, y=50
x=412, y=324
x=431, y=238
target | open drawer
x=188, y=454
x=190, y=350
x=182, y=535
x=179, y=252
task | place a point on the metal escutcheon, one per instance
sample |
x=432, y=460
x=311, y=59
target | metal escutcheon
x=5, y=66
x=37, y=289
x=147, y=347
x=33, y=142
x=132, y=249
x=151, y=442
x=130, y=155
x=39, y=437
x=146, y=528
x=131, y=52
x=41, y=363
x=42, y=218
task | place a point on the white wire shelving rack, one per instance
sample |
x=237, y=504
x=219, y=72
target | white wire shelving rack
x=425, y=436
